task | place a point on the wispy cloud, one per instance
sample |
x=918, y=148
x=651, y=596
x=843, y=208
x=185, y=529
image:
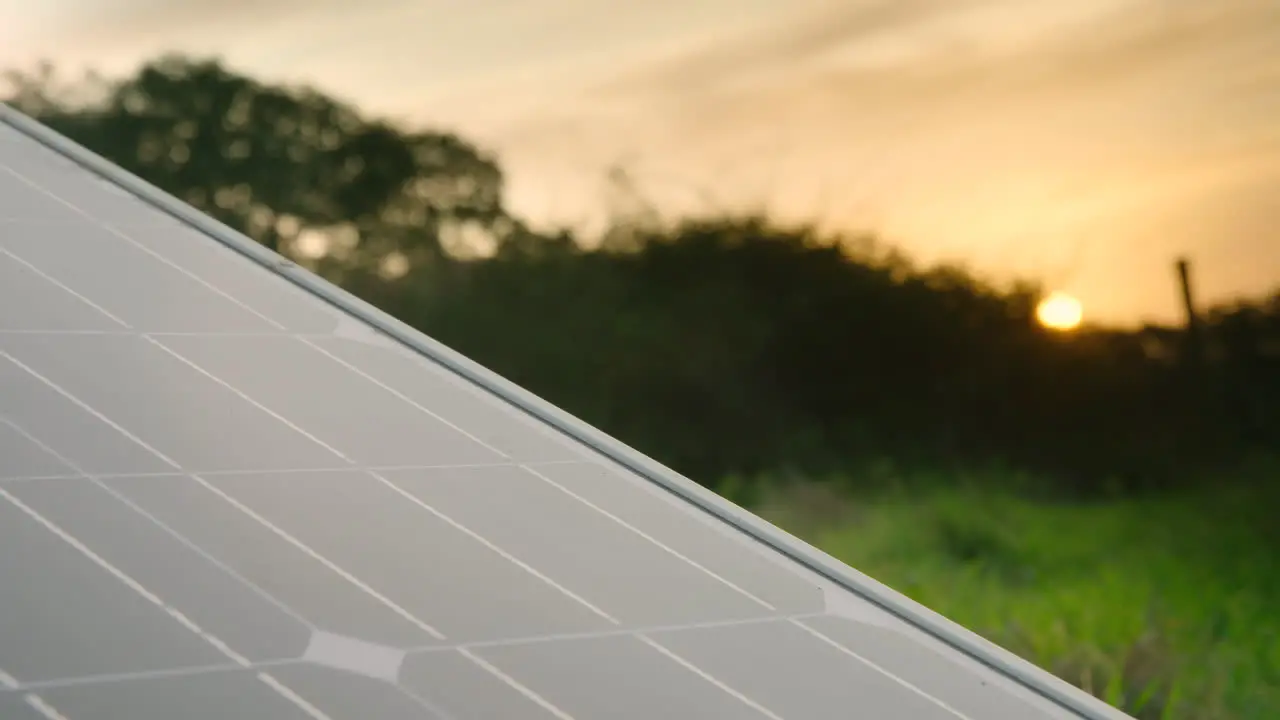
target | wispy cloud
x=1085, y=141
x=1070, y=141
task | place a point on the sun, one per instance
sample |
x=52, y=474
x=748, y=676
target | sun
x=1060, y=311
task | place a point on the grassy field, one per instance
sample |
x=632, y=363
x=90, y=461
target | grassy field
x=1167, y=608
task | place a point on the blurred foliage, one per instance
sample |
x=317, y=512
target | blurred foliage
x=1165, y=608
x=721, y=345
x=274, y=161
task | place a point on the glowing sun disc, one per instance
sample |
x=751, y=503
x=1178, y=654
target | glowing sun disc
x=1060, y=311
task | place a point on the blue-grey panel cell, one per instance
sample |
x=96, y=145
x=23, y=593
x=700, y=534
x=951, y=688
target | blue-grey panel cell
x=216, y=600
x=78, y=192
x=221, y=695
x=267, y=293
x=8, y=135
x=433, y=570
x=183, y=414
x=801, y=677
x=132, y=284
x=463, y=690
x=346, y=696
x=620, y=571
x=23, y=204
x=62, y=616
x=691, y=533
x=365, y=422
x=256, y=553
x=16, y=706
x=30, y=302
x=71, y=431
x=20, y=457
x=620, y=678
x=960, y=687
x=498, y=425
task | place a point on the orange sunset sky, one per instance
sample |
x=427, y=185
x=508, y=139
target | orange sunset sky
x=1085, y=143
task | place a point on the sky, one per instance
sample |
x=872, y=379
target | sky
x=1086, y=144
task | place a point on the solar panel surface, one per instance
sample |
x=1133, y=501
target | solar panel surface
x=230, y=490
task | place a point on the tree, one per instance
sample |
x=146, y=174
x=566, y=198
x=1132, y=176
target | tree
x=721, y=345
x=280, y=163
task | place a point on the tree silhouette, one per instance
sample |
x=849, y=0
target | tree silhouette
x=721, y=345
x=277, y=162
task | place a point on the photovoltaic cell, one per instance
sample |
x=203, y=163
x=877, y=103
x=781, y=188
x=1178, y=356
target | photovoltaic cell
x=228, y=489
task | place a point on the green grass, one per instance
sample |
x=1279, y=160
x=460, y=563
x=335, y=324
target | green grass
x=1167, y=608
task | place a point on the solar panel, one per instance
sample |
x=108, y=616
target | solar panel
x=229, y=489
